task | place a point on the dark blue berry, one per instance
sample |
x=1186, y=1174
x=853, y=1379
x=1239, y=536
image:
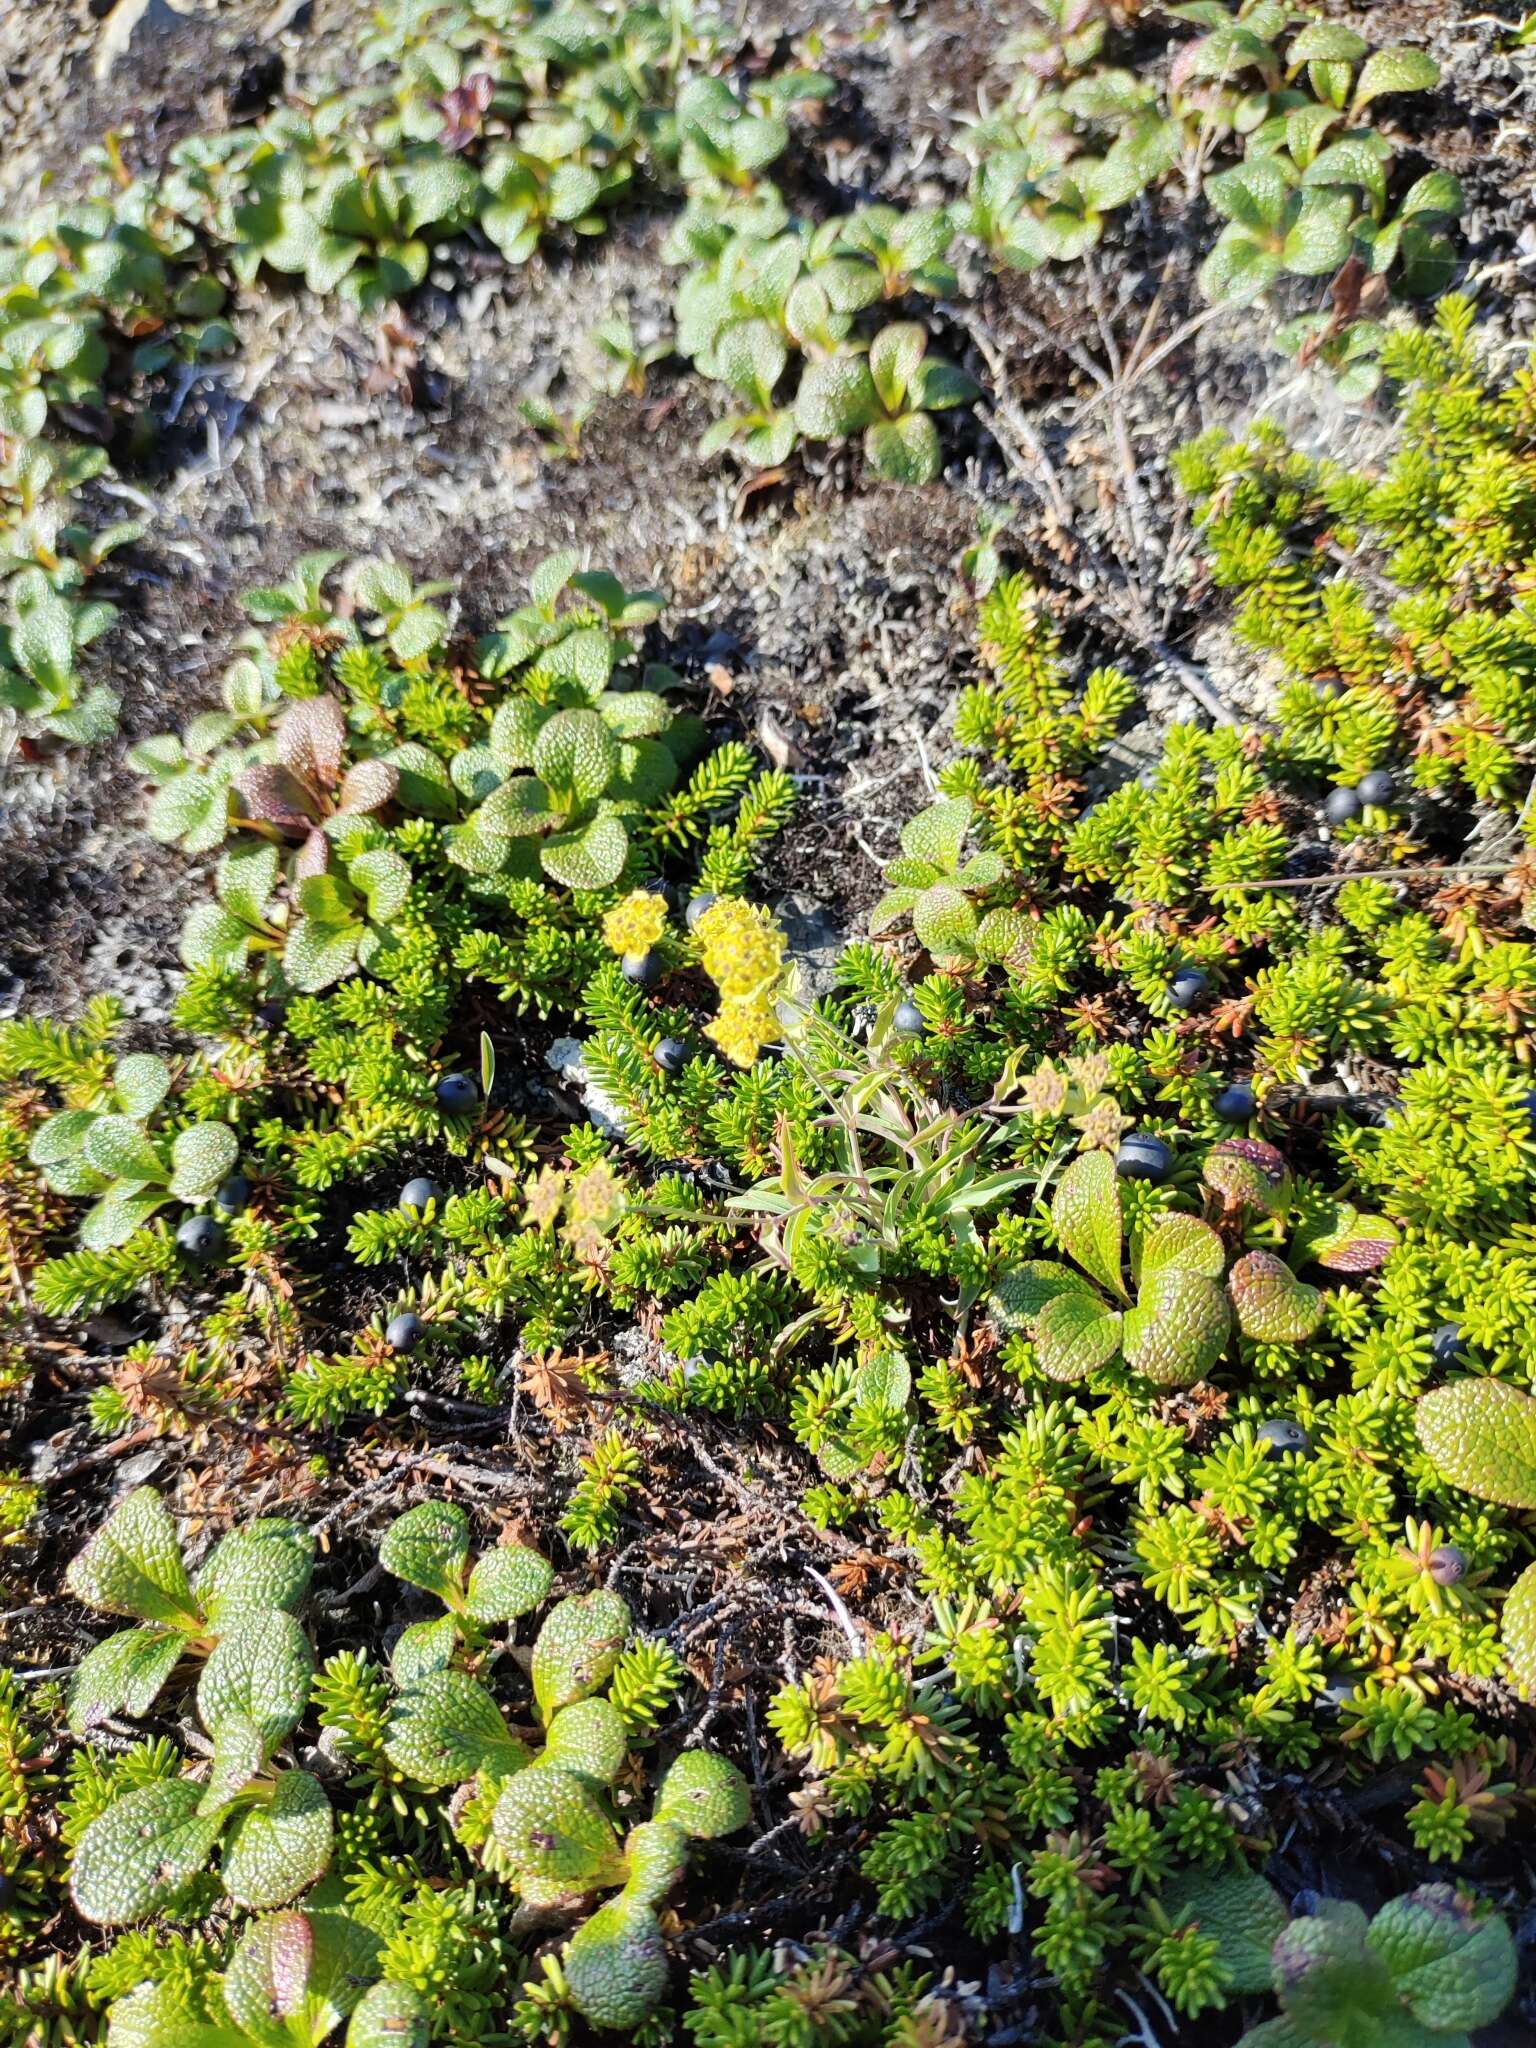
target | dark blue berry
x=416, y=1194
x=269, y=1016
x=1343, y=805
x=457, y=1094
x=1338, y=1692
x=1529, y=1100
x=643, y=969
x=1143, y=1157
x=200, y=1238
x=1281, y=1433
x=1377, y=788
x=1187, y=988
x=1445, y=1346
x=1447, y=1565
x=671, y=1055
x=908, y=1021
x=1330, y=689
x=1235, y=1104
x=404, y=1331
x=697, y=905
x=234, y=1194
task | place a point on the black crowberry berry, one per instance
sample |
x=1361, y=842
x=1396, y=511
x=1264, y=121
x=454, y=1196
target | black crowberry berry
x=1281, y=1433
x=404, y=1331
x=200, y=1238
x=1143, y=1157
x=233, y=1195
x=416, y=1194
x=908, y=1021
x=1187, y=987
x=1235, y=1104
x=671, y=1055
x=1343, y=805
x=1445, y=1346
x=457, y=1094
x=1447, y=1565
x=1377, y=788
x=697, y=905
x=643, y=969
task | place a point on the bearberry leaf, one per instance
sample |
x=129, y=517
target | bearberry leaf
x=904, y=451
x=944, y=921
x=1086, y=1214
x=422, y=1648
x=574, y=756
x=508, y=1582
x=428, y=1546
x=133, y=1565
x=123, y=1675
x=260, y=1670
x=937, y=834
x=1481, y=1436
x=136, y=1856
x=276, y=1851
x=446, y=1727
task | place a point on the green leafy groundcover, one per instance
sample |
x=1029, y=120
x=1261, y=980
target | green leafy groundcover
x=1136, y=1243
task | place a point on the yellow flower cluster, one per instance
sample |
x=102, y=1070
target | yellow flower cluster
x=635, y=925
x=743, y=954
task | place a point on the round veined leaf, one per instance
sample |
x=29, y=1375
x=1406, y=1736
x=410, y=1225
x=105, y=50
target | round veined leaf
x=1273, y=1306
x=1075, y=1334
x=141, y=1083
x=1021, y=1294
x=587, y=859
x=447, y=1727
x=117, y=1147
x=133, y=1565
x=574, y=756
x=428, y=1546
x=616, y=1965
x=201, y=1158
x=577, y=1649
x=123, y=1675
x=705, y=1795
x=312, y=1973
x=1244, y=1912
x=135, y=1857
x=1174, y=1239
x=422, y=1648
x=265, y=1564
x=553, y=1832
x=508, y=1582
x=261, y=1670
x=1519, y=1630
x=1178, y=1328
x=389, y=2016
x=1481, y=1436
x=274, y=1852
x=1085, y=1213
x=588, y=1739
x=1452, y=1968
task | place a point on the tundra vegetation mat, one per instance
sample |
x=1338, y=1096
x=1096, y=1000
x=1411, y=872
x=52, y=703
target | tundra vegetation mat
x=767, y=1132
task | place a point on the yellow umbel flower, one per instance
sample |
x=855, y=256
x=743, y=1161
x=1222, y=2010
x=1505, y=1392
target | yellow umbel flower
x=742, y=950
x=635, y=925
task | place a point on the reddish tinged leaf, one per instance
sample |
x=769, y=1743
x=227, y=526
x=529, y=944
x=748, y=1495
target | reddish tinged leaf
x=464, y=110
x=311, y=739
x=368, y=786
x=1248, y=1174
x=313, y=857
x=1363, y=1245
x=273, y=795
x=291, y=1957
